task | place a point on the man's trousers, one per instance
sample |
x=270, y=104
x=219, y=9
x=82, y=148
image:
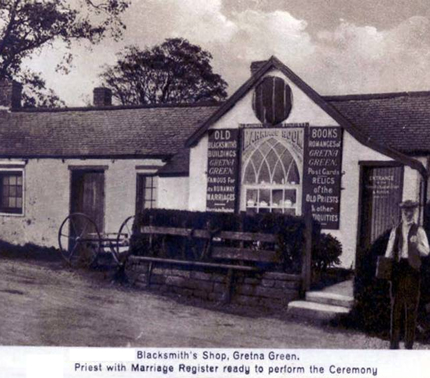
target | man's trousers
x=405, y=296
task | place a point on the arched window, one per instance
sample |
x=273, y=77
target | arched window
x=271, y=179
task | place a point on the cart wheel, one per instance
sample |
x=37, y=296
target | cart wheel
x=123, y=239
x=79, y=240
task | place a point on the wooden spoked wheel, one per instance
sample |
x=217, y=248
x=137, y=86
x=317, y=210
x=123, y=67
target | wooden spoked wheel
x=79, y=240
x=123, y=239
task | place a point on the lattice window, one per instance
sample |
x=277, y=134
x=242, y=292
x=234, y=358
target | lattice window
x=271, y=179
x=11, y=192
x=146, y=197
x=271, y=163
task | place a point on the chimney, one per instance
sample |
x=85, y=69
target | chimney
x=102, y=97
x=255, y=66
x=10, y=94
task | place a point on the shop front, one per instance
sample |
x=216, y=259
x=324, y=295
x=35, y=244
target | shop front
x=277, y=146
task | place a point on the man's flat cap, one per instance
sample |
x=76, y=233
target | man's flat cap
x=409, y=204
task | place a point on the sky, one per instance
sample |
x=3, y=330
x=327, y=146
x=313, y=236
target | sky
x=335, y=46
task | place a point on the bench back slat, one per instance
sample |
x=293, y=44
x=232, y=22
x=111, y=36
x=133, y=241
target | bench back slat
x=203, y=234
x=247, y=236
x=244, y=254
x=218, y=251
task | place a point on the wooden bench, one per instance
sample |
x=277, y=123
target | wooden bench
x=247, y=255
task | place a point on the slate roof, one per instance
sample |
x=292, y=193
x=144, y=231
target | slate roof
x=397, y=120
x=178, y=165
x=106, y=132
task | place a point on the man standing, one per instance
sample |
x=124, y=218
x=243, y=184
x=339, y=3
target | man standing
x=407, y=243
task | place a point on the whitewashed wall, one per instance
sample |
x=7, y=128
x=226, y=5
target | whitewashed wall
x=173, y=193
x=47, y=198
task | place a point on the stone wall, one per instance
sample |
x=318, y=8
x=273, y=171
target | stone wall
x=256, y=289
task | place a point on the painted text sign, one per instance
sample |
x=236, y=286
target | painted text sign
x=322, y=175
x=222, y=170
x=382, y=185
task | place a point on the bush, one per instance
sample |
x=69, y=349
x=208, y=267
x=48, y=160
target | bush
x=288, y=229
x=326, y=250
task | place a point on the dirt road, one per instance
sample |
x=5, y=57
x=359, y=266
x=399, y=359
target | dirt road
x=50, y=305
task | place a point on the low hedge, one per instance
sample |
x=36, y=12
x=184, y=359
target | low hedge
x=289, y=230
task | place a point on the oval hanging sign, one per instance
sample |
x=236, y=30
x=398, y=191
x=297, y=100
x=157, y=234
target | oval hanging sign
x=272, y=100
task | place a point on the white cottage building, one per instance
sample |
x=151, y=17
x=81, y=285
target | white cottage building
x=275, y=146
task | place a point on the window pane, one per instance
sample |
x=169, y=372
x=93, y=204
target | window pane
x=257, y=158
x=280, y=149
x=265, y=148
x=279, y=175
x=12, y=180
x=6, y=180
x=19, y=180
x=19, y=202
x=290, y=197
x=272, y=158
x=277, y=198
x=148, y=182
x=13, y=191
x=251, y=197
x=6, y=191
x=264, y=197
x=293, y=174
x=19, y=191
x=12, y=202
x=250, y=177
x=264, y=176
x=286, y=158
x=148, y=194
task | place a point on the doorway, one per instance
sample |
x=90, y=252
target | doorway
x=381, y=188
x=88, y=195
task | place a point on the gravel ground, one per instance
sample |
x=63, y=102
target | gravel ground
x=48, y=304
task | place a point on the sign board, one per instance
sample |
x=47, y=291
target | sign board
x=222, y=170
x=292, y=136
x=322, y=175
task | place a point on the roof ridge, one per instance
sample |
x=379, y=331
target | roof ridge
x=375, y=96
x=117, y=107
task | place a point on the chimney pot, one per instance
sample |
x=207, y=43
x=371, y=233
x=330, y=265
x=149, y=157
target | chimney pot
x=255, y=66
x=102, y=97
x=10, y=94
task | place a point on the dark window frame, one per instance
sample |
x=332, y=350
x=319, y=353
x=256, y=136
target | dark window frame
x=145, y=182
x=11, y=191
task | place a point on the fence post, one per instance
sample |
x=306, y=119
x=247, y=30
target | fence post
x=307, y=252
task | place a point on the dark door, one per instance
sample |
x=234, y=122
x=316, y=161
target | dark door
x=381, y=193
x=88, y=195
